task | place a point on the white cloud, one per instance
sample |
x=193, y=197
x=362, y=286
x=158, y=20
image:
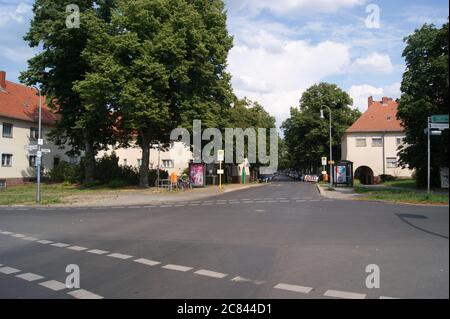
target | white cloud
x=276, y=73
x=372, y=64
x=14, y=14
x=292, y=7
x=361, y=93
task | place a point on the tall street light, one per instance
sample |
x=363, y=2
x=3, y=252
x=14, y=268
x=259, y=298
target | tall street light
x=39, y=151
x=322, y=116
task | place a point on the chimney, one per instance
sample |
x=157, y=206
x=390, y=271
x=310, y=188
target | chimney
x=386, y=100
x=2, y=80
x=370, y=101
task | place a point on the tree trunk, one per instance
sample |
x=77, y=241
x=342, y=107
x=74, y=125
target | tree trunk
x=89, y=162
x=144, y=169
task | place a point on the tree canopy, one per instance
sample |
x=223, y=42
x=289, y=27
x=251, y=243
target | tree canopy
x=425, y=92
x=307, y=135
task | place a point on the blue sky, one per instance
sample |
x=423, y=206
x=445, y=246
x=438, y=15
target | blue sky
x=284, y=46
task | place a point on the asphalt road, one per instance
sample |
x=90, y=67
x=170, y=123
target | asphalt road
x=282, y=240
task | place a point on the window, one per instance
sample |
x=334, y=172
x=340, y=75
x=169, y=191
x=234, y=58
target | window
x=361, y=142
x=377, y=142
x=2, y=183
x=7, y=130
x=32, y=160
x=6, y=160
x=125, y=162
x=56, y=161
x=392, y=162
x=167, y=164
x=34, y=133
x=399, y=141
x=73, y=160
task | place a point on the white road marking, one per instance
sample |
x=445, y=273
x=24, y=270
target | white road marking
x=177, y=268
x=30, y=238
x=84, y=294
x=120, y=256
x=53, y=285
x=295, y=288
x=384, y=297
x=29, y=276
x=97, y=251
x=242, y=279
x=147, y=262
x=344, y=294
x=209, y=273
x=45, y=242
x=19, y=236
x=7, y=233
x=60, y=245
x=9, y=270
x=77, y=248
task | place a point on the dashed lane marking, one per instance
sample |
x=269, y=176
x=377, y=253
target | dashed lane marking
x=384, y=297
x=30, y=238
x=29, y=276
x=53, y=285
x=84, y=294
x=98, y=252
x=177, y=268
x=77, y=248
x=209, y=273
x=45, y=242
x=344, y=294
x=120, y=256
x=243, y=280
x=19, y=236
x=294, y=288
x=147, y=262
x=60, y=245
x=9, y=270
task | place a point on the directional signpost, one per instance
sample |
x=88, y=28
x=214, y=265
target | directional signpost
x=220, y=159
x=436, y=124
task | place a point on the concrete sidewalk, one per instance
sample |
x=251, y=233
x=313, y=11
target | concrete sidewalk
x=148, y=197
x=338, y=193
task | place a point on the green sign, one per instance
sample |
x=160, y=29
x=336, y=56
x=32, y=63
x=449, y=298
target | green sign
x=439, y=119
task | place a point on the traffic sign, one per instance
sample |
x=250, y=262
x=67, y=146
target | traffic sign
x=46, y=151
x=324, y=161
x=39, y=154
x=439, y=119
x=331, y=162
x=41, y=141
x=31, y=147
x=220, y=155
x=439, y=126
x=220, y=172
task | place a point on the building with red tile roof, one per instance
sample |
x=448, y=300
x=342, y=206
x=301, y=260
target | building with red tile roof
x=372, y=143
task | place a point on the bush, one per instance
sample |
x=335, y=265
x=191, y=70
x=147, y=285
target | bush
x=108, y=171
x=117, y=184
x=66, y=173
x=153, y=176
x=387, y=178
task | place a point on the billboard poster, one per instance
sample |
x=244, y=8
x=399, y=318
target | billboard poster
x=197, y=175
x=341, y=174
x=444, y=177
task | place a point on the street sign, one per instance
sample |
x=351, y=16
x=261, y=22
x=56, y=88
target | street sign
x=331, y=162
x=220, y=172
x=41, y=141
x=220, y=155
x=439, y=126
x=439, y=119
x=324, y=161
x=31, y=147
x=46, y=151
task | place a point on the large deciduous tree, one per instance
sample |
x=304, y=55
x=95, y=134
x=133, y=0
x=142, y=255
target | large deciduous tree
x=164, y=62
x=307, y=135
x=59, y=66
x=425, y=92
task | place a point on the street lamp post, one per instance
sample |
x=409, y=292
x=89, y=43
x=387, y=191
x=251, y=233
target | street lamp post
x=331, y=141
x=39, y=151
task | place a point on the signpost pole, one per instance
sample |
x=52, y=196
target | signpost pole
x=220, y=175
x=429, y=156
x=39, y=153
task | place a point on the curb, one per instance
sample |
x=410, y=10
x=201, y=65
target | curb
x=321, y=191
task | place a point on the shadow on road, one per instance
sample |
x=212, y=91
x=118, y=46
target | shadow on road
x=404, y=218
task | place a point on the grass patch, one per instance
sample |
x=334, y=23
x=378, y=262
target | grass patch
x=52, y=193
x=403, y=196
x=402, y=183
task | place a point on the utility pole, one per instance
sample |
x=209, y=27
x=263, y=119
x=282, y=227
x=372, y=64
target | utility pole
x=331, y=142
x=429, y=156
x=39, y=151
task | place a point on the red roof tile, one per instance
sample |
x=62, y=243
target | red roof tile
x=381, y=116
x=20, y=102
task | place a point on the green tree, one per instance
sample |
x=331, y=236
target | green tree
x=425, y=90
x=164, y=62
x=307, y=135
x=59, y=65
